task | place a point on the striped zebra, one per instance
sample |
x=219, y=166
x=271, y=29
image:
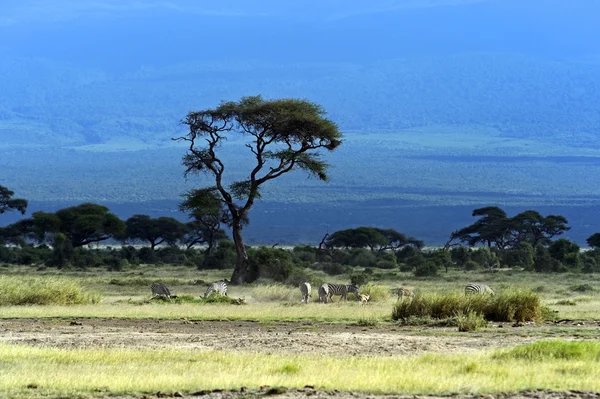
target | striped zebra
x=323, y=293
x=405, y=292
x=160, y=291
x=305, y=290
x=478, y=289
x=342, y=290
x=219, y=288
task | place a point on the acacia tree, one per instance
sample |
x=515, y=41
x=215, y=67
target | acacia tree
x=154, y=231
x=208, y=213
x=8, y=203
x=80, y=225
x=281, y=136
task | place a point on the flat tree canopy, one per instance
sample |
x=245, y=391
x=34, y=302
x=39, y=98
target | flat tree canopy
x=281, y=136
x=8, y=203
x=81, y=224
x=154, y=231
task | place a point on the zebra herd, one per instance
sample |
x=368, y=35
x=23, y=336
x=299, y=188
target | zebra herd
x=326, y=291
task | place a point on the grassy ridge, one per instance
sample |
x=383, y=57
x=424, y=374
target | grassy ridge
x=31, y=372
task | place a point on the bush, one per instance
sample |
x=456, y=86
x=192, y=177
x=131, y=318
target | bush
x=359, y=279
x=171, y=255
x=470, y=321
x=42, y=291
x=362, y=257
x=305, y=253
x=333, y=269
x=426, y=269
x=273, y=263
x=510, y=305
x=223, y=257
x=471, y=265
x=386, y=264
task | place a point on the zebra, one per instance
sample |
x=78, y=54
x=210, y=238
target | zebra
x=220, y=288
x=405, y=292
x=364, y=298
x=305, y=290
x=323, y=293
x=342, y=290
x=478, y=289
x=160, y=291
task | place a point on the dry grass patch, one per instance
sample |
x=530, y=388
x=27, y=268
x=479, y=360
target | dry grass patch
x=25, y=290
x=510, y=305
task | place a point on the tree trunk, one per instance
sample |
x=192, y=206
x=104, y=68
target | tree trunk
x=241, y=273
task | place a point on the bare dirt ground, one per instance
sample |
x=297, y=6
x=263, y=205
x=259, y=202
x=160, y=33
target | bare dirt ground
x=288, y=337
x=253, y=336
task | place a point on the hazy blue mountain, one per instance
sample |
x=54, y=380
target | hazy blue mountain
x=444, y=103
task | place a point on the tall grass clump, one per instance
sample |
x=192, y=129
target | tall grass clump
x=42, y=291
x=553, y=350
x=512, y=305
x=278, y=293
x=471, y=321
x=377, y=293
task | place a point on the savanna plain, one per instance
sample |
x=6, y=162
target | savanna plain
x=111, y=339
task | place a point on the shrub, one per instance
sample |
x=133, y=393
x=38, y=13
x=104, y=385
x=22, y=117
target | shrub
x=171, y=255
x=386, y=264
x=406, y=267
x=273, y=263
x=471, y=265
x=223, y=257
x=305, y=253
x=333, y=269
x=470, y=321
x=362, y=257
x=510, y=305
x=427, y=269
x=359, y=279
x=42, y=291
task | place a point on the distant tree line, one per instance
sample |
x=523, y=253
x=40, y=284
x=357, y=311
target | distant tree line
x=66, y=238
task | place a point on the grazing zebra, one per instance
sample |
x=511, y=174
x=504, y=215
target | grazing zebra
x=405, y=292
x=342, y=290
x=323, y=293
x=305, y=290
x=478, y=289
x=364, y=298
x=220, y=288
x=159, y=290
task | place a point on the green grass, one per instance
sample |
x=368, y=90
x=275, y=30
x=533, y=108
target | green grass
x=132, y=285
x=542, y=351
x=470, y=321
x=42, y=371
x=43, y=291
